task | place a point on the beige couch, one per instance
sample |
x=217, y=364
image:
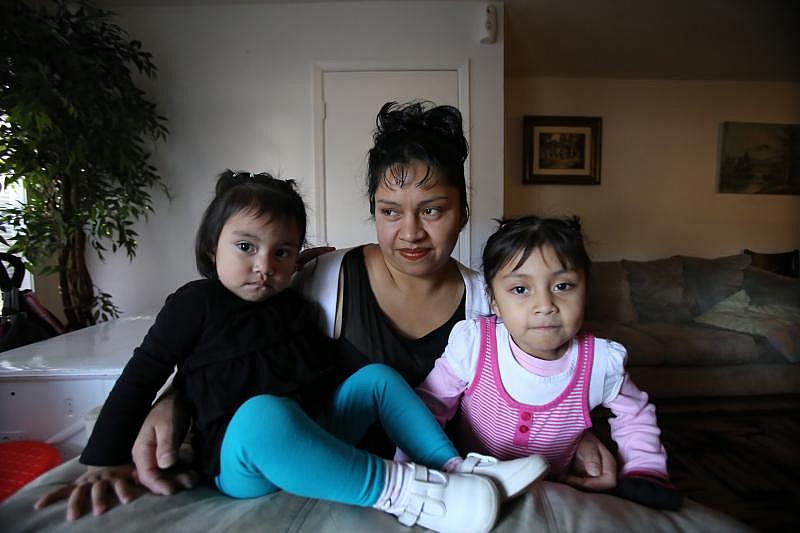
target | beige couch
x=700, y=327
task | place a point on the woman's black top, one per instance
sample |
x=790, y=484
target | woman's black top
x=367, y=336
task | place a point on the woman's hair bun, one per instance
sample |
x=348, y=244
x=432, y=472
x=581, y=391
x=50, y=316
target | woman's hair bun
x=422, y=119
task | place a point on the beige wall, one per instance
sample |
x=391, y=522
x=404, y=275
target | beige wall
x=659, y=163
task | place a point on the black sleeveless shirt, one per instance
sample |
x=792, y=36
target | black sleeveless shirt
x=367, y=335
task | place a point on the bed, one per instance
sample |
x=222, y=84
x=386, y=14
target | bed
x=547, y=507
x=66, y=365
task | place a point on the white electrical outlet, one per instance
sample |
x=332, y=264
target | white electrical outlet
x=69, y=408
x=8, y=436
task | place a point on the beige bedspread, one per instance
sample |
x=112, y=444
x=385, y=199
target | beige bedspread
x=548, y=507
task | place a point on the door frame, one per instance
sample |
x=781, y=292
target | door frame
x=318, y=69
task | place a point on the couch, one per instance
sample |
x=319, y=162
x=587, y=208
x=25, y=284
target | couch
x=698, y=327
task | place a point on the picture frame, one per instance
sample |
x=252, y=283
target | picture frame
x=561, y=150
x=759, y=158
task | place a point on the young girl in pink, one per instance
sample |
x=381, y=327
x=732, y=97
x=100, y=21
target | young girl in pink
x=524, y=380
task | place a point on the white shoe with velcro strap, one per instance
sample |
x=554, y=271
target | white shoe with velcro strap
x=511, y=477
x=449, y=502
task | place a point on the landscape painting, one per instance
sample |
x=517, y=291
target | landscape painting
x=759, y=158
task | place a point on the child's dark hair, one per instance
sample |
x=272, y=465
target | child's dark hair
x=525, y=234
x=256, y=194
x=417, y=131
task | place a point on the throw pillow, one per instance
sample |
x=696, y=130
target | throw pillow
x=739, y=314
x=657, y=290
x=768, y=288
x=783, y=263
x=608, y=296
x=709, y=281
x=787, y=341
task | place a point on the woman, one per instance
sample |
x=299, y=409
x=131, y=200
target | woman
x=395, y=301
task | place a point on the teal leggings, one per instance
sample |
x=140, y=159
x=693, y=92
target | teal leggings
x=272, y=444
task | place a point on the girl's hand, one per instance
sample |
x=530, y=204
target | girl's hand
x=95, y=485
x=593, y=468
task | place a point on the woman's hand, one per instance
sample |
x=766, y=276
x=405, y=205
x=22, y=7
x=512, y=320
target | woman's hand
x=593, y=468
x=95, y=486
x=309, y=254
x=155, y=451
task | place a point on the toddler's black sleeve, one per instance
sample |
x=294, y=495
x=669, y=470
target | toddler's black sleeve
x=171, y=337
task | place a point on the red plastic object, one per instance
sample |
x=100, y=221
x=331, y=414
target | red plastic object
x=23, y=461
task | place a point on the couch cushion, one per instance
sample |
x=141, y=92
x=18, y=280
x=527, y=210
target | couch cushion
x=765, y=288
x=708, y=281
x=657, y=290
x=609, y=294
x=643, y=349
x=697, y=345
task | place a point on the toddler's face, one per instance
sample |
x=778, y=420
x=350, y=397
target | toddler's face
x=541, y=302
x=256, y=256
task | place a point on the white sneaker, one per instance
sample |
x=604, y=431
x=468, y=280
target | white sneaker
x=449, y=503
x=511, y=477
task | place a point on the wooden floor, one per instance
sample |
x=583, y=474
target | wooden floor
x=739, y=456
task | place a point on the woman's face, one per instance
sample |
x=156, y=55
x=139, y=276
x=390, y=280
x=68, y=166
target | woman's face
x=417, y=223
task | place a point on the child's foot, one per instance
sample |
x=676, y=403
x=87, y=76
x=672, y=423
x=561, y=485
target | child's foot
x=511, y=477
x=452, y=502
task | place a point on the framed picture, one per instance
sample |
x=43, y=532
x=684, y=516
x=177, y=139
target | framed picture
x=759, y=158
x=561, y=150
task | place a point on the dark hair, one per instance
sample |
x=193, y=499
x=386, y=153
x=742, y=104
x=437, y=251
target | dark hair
x=256, y=194
x=525, y=234
x=416, y=131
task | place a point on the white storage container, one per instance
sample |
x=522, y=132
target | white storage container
x=47, y=388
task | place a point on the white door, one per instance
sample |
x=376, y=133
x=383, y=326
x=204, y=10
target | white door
x=351, y=101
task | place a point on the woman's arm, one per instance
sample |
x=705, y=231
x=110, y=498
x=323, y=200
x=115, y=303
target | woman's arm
x=318, y=282
x=155, y=451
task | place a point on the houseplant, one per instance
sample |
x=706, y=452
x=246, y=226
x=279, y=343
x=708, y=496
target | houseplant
x=76, y=132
